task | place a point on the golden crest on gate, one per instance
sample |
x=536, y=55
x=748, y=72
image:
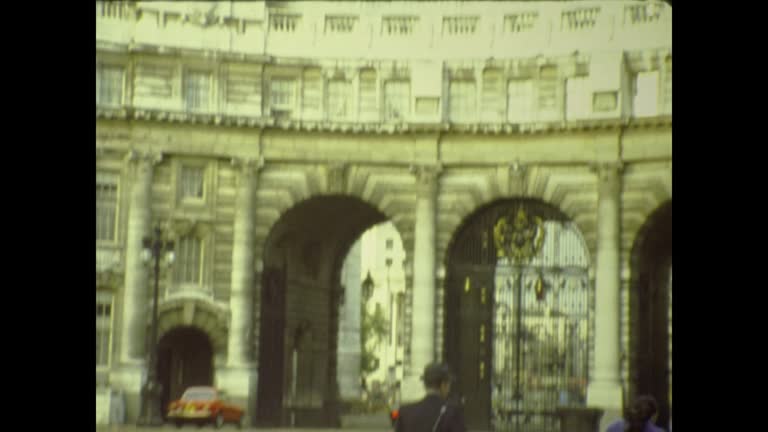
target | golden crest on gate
x=519, y=238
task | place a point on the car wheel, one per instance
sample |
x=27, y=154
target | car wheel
x=219, y=422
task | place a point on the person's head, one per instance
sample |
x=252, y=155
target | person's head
x=644, y=408
x=437, y=378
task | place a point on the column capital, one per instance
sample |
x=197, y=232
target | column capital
x=426, y=177
x=608, y=175
x=248, y=166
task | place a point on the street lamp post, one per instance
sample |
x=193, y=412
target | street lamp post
x=150, y=414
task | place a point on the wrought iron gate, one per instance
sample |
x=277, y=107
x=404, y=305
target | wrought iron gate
x=518, y=315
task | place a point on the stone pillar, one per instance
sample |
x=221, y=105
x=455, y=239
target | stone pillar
x=423, y=319
x=241, y=289
x=136, y=297
x=604, y=389
x=349, y=327
x=239, y=376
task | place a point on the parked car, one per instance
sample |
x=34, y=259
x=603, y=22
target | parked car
x=202, y=405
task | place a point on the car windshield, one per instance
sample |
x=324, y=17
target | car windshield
x=199, y=395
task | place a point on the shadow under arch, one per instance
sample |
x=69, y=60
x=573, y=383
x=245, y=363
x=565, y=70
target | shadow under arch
x=299, y=305
x=649, y=294
x=473, y=297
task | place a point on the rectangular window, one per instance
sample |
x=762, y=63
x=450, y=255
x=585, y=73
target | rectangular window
x=580, y=18
x=667, y=97
x=548, y=88
x=397, y=98
x=493, y=95
x=312, y=90
x=106, y=206
x=103, y=327
x=604, y=101
x=281, y=93
x=340, y=23
x=521, y=22
x=519, y=101
x=462, y=102
x=283, y=23
x=460, y=25
x=197, y=87
x=398, y=25
x=338, y=99
x=192, y=182
x=368, y=97
x=188, y=269
x=109, y=86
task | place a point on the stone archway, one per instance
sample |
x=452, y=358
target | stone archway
x=185, y=359
x=299, y=303
x=649, y=302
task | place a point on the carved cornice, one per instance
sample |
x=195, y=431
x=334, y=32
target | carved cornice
x=178, y=227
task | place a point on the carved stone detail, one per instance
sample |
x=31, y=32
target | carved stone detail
x=426, y=177
x=337, y=177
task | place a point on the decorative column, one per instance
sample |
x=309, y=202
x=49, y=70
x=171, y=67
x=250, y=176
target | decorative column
x=605, y=389
x=241, y=290
x=423, y=319
x=132, y=340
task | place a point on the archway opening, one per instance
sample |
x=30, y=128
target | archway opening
x=518, y=315
x=650, y=297
x=301, y=296
x=185, y=359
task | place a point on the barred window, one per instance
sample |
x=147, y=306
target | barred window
x=398, y=25
x=462, y=100
x=397, y=97
x=103, y=327
x=521, y=22
x=192, y=182
x=460, y=25
x=340, y=23
x=283, y=23
x=188, y=268
x=338, y=99
x=106, y=206
x=519, y=101
x=281, y=92
x=109, y=86
x=580, y=18
x=197, y=87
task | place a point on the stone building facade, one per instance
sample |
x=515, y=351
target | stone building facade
x=265, y=137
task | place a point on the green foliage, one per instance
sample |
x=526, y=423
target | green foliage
x=374, y=328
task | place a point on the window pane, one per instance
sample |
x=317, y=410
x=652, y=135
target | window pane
x=106, y=207
x=338, y=99
x=282, y=93
x=188, y=266
x=109, y=86
x=192, y=182
x=520, y=96
x=368, y=103
x=462, y=100
x=397, y=95
x=196, y=91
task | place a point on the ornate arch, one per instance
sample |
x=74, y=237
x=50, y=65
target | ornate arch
x=208, y=317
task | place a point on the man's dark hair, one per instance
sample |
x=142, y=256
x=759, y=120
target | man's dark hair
x=642, y=409
x=435, y=374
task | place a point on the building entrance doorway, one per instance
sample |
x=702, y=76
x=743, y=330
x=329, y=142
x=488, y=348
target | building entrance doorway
x=185, y=359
